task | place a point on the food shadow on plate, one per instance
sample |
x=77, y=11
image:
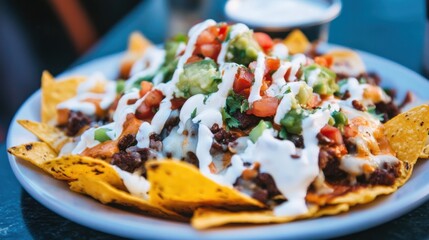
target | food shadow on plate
x=42, y=223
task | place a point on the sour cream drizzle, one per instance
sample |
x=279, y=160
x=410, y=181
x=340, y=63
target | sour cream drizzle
x=259, y=75
x=287, y=101
x=208, y=113
x=136, y=184
x=147, y=66
x=78, y=102
x=280, y=158
x=168, y=89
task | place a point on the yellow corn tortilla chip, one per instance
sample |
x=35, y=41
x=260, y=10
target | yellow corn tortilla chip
x=407, y=133
x=36, y=153
x=346, y=62
x=331, y=210
x=181, y=187
x=296, y=42
x=425, y=152
x=55, y=92
x=208, y=218
x=71, y=167
x=354, y=196
x=47, y=133
x=137, y=45
x=106, y=193
x=204, y=218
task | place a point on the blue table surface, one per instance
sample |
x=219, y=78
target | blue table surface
x=393, y=29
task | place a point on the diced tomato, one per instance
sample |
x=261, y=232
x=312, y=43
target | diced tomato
x=264, y=107
x=332, y=133
x=325, y=61
x=177, y=103
x=144, y=112
x=193, y=59
x=287, y=74
x=264, y=40
x=223, y=32
x=210, y=50
x=243, y=80
x=214, y=30
x=147, y=107
x=206, y=37
x=145, y=87
x=153, y=98
x=314, y=101
x=264, y=86
x=349, y=131
x=271, y=65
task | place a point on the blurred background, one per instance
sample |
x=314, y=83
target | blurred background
x=57, y=34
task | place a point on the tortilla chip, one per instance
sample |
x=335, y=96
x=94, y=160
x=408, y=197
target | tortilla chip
x=36, y=153
x=137, y=45
x=407, y=133
x=331, y=210
x=296, y=42
x=346, y=62
x=181, y=187
x=47, y=133
x=353, y=195
x=208, y=217
x=55, y=92
x=425, y=152
x=106, y=193
x=71, y=167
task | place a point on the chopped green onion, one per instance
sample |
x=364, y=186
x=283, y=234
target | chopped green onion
x=101, y=135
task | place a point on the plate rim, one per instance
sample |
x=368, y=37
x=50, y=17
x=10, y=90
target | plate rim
x=382, y=213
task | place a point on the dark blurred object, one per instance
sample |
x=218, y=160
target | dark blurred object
x=278, y=17
x=183, y=14
x=426, y=49
x=39, y=34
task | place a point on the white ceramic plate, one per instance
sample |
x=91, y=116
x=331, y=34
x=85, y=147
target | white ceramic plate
x=56, y=196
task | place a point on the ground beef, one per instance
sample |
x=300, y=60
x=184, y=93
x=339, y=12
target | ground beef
x=351, y=146
x=260, y=195
x=76, y=121
x=126, y=142
x=296, y=139
x=145, y=153
x=383, y=176
x=388, y=110
x=127, y=161
x=171, y=123
x=371, y=78
x=247, y=121
x=155, y=142
x=261, y=185
x=266, y=181
x=221, y=135
x=358, y=105
x=329, y=163
x=192, y=159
